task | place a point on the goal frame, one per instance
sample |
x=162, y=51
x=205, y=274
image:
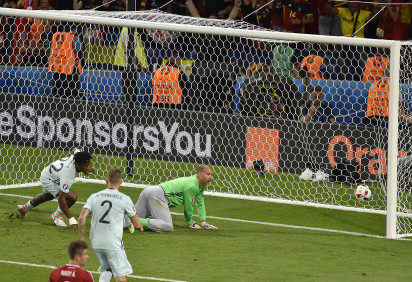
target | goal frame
x=394, y=46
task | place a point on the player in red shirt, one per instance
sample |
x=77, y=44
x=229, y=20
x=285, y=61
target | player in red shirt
x=72, y=271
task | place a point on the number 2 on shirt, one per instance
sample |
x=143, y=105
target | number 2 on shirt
x=102, y=220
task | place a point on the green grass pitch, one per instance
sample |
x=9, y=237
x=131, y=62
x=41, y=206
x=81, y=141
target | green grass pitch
x=296, y=244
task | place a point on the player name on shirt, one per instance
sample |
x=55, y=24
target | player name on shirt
x=68, y=273
x=109, y=195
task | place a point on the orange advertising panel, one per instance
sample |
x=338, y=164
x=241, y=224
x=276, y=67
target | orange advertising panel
x=262, y=143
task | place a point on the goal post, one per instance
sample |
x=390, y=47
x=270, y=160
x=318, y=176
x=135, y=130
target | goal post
x=241, y=110
x=393, y=141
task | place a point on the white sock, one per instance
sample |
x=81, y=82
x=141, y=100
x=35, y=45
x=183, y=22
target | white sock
x=105, y=276
x=28, y=206
x=58, y=211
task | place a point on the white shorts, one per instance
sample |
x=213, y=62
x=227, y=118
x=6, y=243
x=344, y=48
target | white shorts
x=116, y=260
x=49, y=186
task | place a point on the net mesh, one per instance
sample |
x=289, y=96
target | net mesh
x=276, y=119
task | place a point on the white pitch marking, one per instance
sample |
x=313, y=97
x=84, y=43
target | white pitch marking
x=257, y=222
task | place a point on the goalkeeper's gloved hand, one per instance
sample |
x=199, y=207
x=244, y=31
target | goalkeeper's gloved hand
x=206, y=225
x=194, y=225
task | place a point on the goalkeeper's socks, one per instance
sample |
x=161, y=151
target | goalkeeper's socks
x=58, y=211
x=144, y=222
x=106, y=276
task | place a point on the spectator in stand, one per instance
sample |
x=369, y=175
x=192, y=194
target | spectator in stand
x=117, y=5
x=329, y=24
x=390, y=26
x=20, y=4
x=296, y=15
x=353, y=18
x=248, y=11
x=177, y=7
x=264, y=14
x=234, y=14
x=9, y=4
x=219, y=9
x=313, y=27
x=44, y=5
x=35, y=51
x=277, y=20
x=405, y=15
x=88, y=5
x=377, y=66
x=197, y=8
x=93, y=34
x=317, y=110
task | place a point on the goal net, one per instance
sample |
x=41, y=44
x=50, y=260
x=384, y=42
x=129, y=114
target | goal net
x=299, y=119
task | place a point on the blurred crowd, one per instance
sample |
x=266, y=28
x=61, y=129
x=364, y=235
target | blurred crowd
x=231, y=57
x=384, y=20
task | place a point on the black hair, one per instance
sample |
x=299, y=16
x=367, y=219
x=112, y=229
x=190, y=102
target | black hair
x=82, y=157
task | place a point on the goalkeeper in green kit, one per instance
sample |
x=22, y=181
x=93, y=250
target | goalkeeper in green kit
x=155, y=201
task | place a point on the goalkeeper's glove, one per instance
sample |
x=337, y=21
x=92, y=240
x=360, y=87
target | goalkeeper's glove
x=194, y=225
x=206, y=225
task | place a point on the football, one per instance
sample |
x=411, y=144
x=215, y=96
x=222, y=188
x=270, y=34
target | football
x=363, y=193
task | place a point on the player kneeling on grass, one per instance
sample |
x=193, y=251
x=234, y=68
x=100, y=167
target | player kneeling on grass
x=56, y=179
x=155, y=201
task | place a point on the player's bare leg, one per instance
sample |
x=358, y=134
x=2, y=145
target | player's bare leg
x=22, y=210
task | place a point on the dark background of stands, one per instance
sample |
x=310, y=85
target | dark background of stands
x=349, y=97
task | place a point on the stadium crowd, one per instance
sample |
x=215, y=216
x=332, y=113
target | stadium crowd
x=241, y=57
x=323, y=17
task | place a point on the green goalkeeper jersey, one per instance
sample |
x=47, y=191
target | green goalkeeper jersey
x=185, y=191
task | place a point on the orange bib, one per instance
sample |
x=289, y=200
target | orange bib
x=62, y=58
x=378, y=99
x=166, y=88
